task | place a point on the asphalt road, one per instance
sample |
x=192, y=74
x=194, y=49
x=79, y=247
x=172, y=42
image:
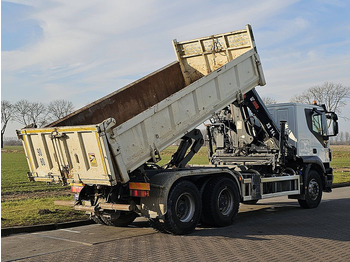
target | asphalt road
x=273, y=230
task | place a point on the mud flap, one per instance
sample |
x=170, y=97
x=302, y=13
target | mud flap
x=255, y=187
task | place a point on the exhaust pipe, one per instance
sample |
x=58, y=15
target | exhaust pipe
x=104, y=206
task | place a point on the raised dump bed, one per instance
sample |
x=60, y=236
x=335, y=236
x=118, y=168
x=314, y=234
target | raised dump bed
x=196, y=58
x=105, y=141
x=130, y=100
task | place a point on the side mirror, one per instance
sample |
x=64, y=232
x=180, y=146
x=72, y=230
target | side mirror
x=333, y=128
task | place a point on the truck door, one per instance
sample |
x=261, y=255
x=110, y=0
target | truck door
x=317, y=124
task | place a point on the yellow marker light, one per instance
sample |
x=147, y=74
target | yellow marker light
x=140, y=186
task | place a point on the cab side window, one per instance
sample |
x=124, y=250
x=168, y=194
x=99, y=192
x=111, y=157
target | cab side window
x=317, y=124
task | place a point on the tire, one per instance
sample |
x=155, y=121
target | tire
x=157, y=225
x=184, y=209
x=97, y=219
x=313, y=193
x=124, y=219
x=220, y=202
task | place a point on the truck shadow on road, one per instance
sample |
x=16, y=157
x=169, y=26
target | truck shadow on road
x=328, y=221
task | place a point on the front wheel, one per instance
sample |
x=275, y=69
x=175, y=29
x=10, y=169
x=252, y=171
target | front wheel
x=313, y=191
x=184, y=209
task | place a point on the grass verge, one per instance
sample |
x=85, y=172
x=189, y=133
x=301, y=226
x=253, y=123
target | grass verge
x=341, y=164
x=37, y=211
x=25, y=203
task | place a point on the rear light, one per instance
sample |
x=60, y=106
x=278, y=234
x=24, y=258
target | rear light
x=139, y=193
x=139, y=189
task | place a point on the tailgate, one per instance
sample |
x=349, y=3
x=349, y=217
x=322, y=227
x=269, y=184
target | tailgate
x=78, y=154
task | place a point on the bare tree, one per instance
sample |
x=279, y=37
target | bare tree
x=21, y=112
x=331, y=94
x=6, y=116
x=30, y=113
x=59, y=108
x=347, y=138
x=268, y=100
x=341, y=137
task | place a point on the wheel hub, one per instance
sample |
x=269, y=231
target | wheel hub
x=185, y=207
x=313, y=189
x=225, y=201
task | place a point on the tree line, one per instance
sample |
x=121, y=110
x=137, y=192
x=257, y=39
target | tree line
x=343, y=138
x=34, y=114
x=333, y=95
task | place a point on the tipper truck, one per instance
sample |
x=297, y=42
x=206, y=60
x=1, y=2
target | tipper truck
x=108, y=151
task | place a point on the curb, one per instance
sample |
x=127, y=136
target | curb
x=341, y=185
x=30, y=229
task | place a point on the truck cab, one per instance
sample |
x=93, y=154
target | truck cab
x=308, y=127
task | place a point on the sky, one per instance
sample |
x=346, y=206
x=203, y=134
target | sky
x=82, y=50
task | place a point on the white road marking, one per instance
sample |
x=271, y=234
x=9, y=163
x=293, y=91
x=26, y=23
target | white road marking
x=63, y=239
x=72, y=231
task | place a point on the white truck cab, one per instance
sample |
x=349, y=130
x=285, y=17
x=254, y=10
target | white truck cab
x=308, y=126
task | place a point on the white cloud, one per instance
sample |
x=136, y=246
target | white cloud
x=96, y=43
x=301, y=72
x=91, y=48
x=73, y=30
x=80, y=31
x=227, y=17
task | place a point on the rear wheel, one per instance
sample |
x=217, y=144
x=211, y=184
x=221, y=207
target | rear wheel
x=220, y=202
x=184, y=209
x=122, y=220
x=313, y=192
x=97, y=219
x=157, y=225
